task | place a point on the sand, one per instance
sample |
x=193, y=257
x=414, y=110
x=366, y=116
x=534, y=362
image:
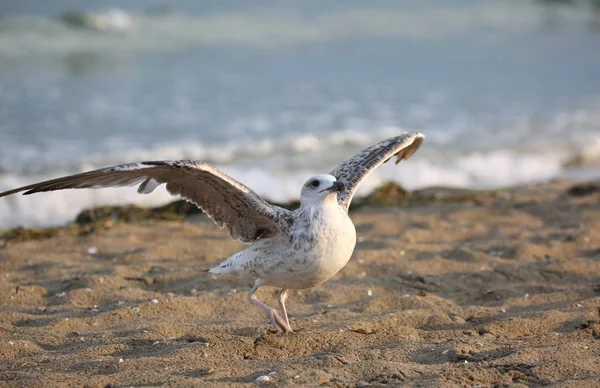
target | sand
x=503, y=292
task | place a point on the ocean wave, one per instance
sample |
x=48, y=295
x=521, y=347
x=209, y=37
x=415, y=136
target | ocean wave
x=570, y=136
x=266, y=28
x=113, y=20
x=276, y=165
x=281, y=181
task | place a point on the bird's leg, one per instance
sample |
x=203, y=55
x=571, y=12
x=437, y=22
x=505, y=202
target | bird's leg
x=281, y=297
x=276, y=320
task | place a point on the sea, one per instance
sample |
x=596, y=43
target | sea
x=507, y=92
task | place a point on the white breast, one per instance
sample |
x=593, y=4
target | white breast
x=322, y=242
x=319, y=244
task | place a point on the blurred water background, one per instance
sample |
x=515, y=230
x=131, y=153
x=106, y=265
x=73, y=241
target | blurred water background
x=271, y=92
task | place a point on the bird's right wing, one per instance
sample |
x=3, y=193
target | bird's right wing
x=229, y=203
x=353, y=171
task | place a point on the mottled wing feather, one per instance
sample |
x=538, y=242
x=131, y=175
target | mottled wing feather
x=229, y=203
x=353, y=171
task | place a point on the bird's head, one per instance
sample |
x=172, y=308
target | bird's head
x=320, y=188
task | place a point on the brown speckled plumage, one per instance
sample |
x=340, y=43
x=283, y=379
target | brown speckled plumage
x=229, y=203
x=353, y=171
x=298, y=249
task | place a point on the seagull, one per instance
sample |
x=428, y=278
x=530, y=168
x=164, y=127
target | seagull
x=296, y=249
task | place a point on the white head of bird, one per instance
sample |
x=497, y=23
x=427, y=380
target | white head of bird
x=320, y=189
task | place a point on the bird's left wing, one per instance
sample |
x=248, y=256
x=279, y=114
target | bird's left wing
x=353, y=171
x=229, y=203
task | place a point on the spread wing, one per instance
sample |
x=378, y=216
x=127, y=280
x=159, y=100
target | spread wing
x=229, y=203
x=353, y=171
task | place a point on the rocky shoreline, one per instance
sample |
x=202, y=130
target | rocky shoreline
x=388, y=194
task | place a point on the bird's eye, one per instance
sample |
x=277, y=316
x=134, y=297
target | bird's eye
x=314, y=183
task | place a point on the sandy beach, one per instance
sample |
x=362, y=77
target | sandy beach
x=465, y=289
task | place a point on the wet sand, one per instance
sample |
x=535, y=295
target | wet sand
x=501, y=292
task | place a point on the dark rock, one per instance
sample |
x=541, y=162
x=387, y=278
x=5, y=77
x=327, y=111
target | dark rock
x=583, y=189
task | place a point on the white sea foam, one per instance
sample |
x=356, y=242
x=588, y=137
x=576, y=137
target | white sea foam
x=275, y=167
x=281, y=183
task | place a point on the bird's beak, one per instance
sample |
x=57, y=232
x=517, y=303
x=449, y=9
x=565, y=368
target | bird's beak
x=336, y=187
